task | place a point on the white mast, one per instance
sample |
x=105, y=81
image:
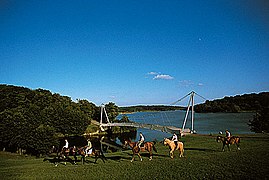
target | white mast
x=192, y=111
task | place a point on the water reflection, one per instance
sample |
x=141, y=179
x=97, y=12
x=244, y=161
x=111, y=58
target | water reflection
x=108, y=143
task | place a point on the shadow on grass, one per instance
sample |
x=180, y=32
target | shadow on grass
x=59, y=161
x=200, y=149
x=117, y=158
x=146, y=155
x=56, y=161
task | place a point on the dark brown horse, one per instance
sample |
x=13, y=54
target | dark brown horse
x=65, y=153
x=97, y=153
x=233, y=140
x=148, y=146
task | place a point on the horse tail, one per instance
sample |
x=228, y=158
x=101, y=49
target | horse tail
x=239, y=139
x=154, y=148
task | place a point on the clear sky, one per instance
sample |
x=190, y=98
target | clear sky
x=136, y=51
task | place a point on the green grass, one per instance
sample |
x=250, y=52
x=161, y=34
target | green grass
x=203, y=160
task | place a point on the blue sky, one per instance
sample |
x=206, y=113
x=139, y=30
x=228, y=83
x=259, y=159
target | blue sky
x=136, y=52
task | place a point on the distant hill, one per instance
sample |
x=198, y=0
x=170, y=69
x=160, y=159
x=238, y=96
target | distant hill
x=240, y=103
x=142, y=108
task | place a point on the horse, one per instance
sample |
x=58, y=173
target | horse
x=172, y=147
x=62, y=155
x=148, y=146
x=233, y=140
x=97, y=153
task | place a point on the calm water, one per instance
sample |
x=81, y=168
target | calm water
x=204, y=123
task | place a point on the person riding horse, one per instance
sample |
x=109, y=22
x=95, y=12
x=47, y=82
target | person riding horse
x=228, y=135
x=88, y=148
x=175, y=139
x=65, y=147
x=141, y=140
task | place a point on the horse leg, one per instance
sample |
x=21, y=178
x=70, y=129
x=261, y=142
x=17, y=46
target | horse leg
x=150, y=155
x=102, y=156
x=140, y=157
x=181, y=152
x=97, y=154
x=82, y=159
x=223, y=146
x=238, y=148
x=75, y=159
x=133, y=157
x=171, y=154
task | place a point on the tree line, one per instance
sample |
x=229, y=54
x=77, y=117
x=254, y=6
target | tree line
x=258, y=103
x=240, y=103
x=33, y=120
x=143, y=108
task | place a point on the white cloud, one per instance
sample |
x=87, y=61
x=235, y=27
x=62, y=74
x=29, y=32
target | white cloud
x=163, y=76
x=186, y=83
x=189, y=83
x=152, y=73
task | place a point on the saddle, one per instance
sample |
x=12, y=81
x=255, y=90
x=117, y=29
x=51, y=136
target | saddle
x=142, y=145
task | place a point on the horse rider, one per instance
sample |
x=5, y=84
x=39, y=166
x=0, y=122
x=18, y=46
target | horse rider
x=228, y=135
x=141, y=140
x=66, y=145
x=175, y=139
x=88, y=148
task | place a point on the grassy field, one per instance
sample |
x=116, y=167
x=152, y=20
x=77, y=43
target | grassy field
x=203, y=160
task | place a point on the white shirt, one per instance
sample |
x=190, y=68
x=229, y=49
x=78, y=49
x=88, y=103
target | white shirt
x=66, y=144
x=142, y=137
x=174, y=138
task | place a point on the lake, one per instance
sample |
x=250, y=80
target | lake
x=204, y=123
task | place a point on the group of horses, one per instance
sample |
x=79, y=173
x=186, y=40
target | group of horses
x=65, y=153
x=150, y=146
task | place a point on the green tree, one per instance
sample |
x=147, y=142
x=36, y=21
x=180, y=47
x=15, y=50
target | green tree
x=260, y=121
x=31, y=119
x=112, y=111
x=88, y=108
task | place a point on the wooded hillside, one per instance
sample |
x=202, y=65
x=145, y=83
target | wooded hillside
x=240, y=103
x=33, y=119
x=142, y=108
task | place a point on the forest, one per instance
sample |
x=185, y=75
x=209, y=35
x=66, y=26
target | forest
x=240, y=103
x=143, y=108
x=33, y=120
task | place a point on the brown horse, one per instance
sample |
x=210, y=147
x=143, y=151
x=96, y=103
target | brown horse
x=233, y=140
x=97, y=153
x=172, y=147
x=148, y=146
x=65, y=154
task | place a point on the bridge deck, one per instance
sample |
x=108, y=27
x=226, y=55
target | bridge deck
x=168, y=129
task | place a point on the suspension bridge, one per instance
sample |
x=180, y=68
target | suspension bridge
x=163, y=128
